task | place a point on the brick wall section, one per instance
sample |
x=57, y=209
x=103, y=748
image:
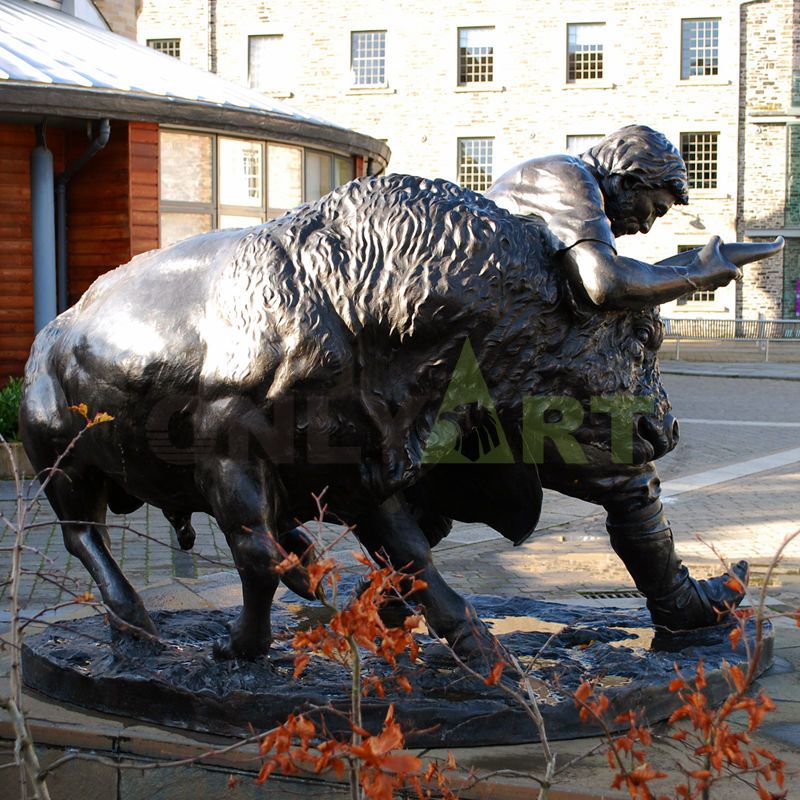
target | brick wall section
x=186, y=20
x=768, y=30
x=120, y=15
x=529, y=109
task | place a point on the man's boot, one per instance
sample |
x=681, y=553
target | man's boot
x=642, y=538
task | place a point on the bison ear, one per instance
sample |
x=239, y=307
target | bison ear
x=506, y=497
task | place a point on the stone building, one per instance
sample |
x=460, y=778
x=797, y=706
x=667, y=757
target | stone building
x=108, y=149
x=463, y=89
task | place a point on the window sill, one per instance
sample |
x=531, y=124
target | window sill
x=706, y=308
x=589, y=84
x=278, y=94
x=715, y=195
x=357, y=90
x=704, y=82
x=478, y=87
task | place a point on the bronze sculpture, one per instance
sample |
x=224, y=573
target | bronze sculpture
x=618, y=187
x=248, y=369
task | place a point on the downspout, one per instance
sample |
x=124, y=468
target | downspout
x=61, y=208
x=43, y=232
x=211, y=14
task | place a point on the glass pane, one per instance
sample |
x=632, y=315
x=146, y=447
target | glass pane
x=238, y=221
x=266, y=67
x=185, y=167
x=475, y=55
x=475, y=159
x=240, y=171
x=580, y=143
x=176, y=226
x=344, y=170
x=585, y=51
x=318, y=175
x=368, y=57
x=284, y=177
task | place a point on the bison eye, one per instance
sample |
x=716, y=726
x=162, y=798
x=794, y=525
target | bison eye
x=644, y=335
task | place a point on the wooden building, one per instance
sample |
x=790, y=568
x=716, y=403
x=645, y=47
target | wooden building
x=109, y=148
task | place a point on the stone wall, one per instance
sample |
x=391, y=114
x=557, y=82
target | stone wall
x=120, y=15
x=530, y=108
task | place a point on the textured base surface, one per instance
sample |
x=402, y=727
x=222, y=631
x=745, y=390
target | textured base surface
x=181, y=684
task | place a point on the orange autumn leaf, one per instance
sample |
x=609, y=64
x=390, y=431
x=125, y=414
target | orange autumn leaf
x=300, y=663
x=494, y=675
x=676, y=684
x=734, y=584
x=290, y=562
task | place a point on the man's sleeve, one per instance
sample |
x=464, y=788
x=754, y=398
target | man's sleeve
x=562, y=191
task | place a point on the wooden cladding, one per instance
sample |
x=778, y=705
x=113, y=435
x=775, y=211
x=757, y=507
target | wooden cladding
x=16, y=252
x=112, y=215
x=112, y=203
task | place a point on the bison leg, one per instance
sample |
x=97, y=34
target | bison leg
x=642, y=538
x=392, y=532
x=299, y=542
x=244, y=506
x=181, y=522
x=81, y=499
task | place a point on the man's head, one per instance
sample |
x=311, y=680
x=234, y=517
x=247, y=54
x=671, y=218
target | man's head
x=641, y=175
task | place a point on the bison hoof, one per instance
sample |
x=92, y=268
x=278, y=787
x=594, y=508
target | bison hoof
x=133, y=620
x=186, y=536
x=476, y=647
x=701, y=604
x=244, y=642
x=228, y=649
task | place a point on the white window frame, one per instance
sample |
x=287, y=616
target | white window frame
x=599, y=24
x=459, y=140
x=351, y=72
x=701, y=78
x=481, y=83
x=282, y=85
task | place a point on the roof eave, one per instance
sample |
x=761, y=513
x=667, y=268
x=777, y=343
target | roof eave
x=72, y=102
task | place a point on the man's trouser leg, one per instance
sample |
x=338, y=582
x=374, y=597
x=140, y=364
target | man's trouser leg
x=642, y=538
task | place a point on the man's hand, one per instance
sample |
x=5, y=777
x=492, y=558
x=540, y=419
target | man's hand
x=711, y=269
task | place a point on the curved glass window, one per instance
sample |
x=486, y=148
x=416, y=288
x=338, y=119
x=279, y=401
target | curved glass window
x=210, y=181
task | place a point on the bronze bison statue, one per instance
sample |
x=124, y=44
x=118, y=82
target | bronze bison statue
x=246, y=370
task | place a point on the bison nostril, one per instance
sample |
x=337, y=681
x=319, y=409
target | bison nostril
x=656, y=434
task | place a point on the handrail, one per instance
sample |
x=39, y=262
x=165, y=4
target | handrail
x=747, y=329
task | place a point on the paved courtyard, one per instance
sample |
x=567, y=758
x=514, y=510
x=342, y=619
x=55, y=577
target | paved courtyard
x=733, y=479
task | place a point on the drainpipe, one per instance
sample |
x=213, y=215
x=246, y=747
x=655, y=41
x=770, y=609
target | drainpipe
x=61, y=207
x=43, y=232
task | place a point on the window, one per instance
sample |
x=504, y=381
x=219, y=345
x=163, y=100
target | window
x=368, y=58
x=186, y=185
x=699, y=47
x=702, y=296
x=266, y=64
x=240, y=181
x=210, y=181
x=475, y=163
x=699, y=151
x=284, y=178
x=172, y=47
x=323, y=172
x=585, y=51
x=580, y=143
x=475, y=55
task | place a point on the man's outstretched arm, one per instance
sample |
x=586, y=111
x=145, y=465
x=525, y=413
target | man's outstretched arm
x=616, y=282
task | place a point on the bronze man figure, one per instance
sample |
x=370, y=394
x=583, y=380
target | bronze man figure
x=618, y=187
